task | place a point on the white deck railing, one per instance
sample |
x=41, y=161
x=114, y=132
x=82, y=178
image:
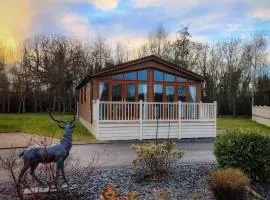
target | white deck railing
x=128, y=111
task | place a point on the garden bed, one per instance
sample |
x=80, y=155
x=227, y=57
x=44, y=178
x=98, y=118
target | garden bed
x=188, y=182
x=185, y=182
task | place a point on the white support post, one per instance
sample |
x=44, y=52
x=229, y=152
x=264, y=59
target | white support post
x=97, y=118
x=141, y=120
x=215, y=111
x=179, y=120
x=78, y=108
x=201, y=112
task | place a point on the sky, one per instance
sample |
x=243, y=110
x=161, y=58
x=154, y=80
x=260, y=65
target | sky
x=131, y=20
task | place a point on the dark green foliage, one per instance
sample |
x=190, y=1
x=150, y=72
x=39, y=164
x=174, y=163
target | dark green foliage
x=245, y=149
x=228, y=184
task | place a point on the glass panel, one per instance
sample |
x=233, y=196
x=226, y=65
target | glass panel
x=182, y=93
x=103, y=91
x=169, y=77
x=117, y=92
x=131, y=76
x=169, y=94
x=158, y=93
x=158, y=75
x=142, y=92
x=131, y=91
x=180, y=79
x=142, y=75
x=117, y=76
x=192, y=93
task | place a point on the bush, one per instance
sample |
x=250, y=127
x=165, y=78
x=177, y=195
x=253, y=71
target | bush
x=155, y=160
x=228, y=184
x=247, y=150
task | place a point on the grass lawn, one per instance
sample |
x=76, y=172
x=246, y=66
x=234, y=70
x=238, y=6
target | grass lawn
x=232, y=123
x=41, y=124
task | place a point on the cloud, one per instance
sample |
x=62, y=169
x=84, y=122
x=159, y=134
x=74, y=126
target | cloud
x=76, y=25
x=262, y=13
x=15, y=20
x=171, y=3
x=104, y=5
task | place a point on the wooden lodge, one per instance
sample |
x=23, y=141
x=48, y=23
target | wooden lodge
x=125, y=102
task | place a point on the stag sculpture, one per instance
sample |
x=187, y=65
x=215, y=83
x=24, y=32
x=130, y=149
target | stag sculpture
x=57, y=153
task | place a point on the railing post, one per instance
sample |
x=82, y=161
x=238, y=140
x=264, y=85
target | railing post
x=141, y=120
x=201, y=105
x=97, y=118
x=215, y=117
x=179, y=119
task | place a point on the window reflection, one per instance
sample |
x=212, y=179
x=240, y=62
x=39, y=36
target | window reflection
x=117, y=76
x=169, y=94
x=131, y=76
x=103, y=91
x=158, y=93
x=116, y=92
x=169, y=77
x=142, y=75
x=180, y=79
x=192, y=93
x=158, y=75
x=142, y=92
x=181, y=93
x=131, y=91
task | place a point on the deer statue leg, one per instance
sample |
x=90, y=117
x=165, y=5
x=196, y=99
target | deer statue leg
x=64, y=176
x=26, y=165
x=32, y=172
x=59, y=166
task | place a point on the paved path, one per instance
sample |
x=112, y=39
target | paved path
x=118, y=154
x=8, y=140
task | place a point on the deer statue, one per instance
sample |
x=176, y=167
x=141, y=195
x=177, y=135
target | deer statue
x=57, y=153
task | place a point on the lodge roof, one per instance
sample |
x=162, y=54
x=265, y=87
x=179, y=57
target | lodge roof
x=114, y=68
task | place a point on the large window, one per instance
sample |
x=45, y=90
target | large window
x=135, y=75
x=169, y=77
x=130, y=76
x=158, y=92
x=131, y=92
x=142, y=75
x=192, y=93
x=116, y=92
x=142, y=92
x=180, y=79
x=118, y=76
x=181, y=93
x=103, y=91
x=158, y=75
x=169, y=93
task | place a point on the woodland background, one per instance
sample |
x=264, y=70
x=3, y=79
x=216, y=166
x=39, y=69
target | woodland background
x=45, y=69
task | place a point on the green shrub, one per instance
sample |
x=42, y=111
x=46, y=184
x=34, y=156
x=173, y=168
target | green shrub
x=247, y=150
x=155, y=160
x=228, y=184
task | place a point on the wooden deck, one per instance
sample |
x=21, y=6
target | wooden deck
x=139, y=120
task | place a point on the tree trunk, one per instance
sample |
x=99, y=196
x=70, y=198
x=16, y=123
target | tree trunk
x=19, y=106
x=23, y=106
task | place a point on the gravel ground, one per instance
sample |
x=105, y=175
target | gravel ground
x=188, y=182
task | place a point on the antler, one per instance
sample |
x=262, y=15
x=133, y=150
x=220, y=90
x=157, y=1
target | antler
x=54, y=118
x=73, y=116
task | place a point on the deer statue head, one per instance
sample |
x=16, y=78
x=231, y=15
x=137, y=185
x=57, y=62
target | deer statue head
x=68, y=126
